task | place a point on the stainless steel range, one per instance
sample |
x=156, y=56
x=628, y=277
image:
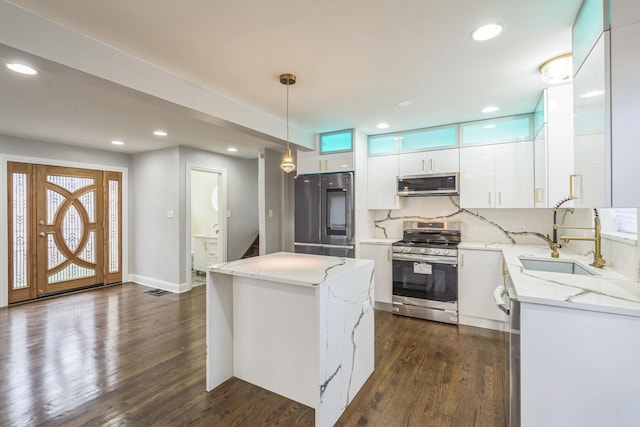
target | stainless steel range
x=425, y=271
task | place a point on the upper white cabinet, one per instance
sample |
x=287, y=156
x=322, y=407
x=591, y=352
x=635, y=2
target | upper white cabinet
x=381, y=182
x=479, y=273
x=553, y=145
x=335, y=154
x=497, y=176
x=606, y=91
x=435, y=161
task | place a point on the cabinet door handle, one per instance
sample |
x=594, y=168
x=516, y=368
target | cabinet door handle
x=571, y=184
x=489, y=198
x=499, y=198
x=537, y=196
x=461, y=260
x=388, y=254
x=424, y=165
x=320, y=165
x=326, y=165
x=431, y=164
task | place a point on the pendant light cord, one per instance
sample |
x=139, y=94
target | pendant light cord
x=287, y=115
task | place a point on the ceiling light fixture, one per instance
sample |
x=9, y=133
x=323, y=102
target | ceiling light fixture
x=116, y=142
x=382, y=125
x=232, y=149
x=160, y=133
x=405, y=103
x=557, y=70
x=287, y=164
x=22, y=69
x=490, y=109
x=486, y=32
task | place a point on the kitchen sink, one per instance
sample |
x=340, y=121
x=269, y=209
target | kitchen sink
x=555, y=266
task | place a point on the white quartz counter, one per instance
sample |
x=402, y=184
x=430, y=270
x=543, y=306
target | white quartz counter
x=606, y=291
x=290, y=268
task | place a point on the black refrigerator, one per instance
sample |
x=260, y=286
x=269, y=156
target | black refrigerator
x=324, y=214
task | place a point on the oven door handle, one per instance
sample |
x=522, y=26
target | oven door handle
x=426, y=258
x=499, y=295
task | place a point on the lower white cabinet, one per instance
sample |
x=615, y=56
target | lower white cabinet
x=380, y=253
x=205, y=251
x=479, y=273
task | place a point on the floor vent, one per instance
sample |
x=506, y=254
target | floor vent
x=157, y=292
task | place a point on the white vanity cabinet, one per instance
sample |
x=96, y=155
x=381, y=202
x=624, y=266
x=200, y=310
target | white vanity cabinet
x=497, y=176
x=382, y=172
x=434, y=161
x=480, y=271
x=380, y=253
x=205, y=251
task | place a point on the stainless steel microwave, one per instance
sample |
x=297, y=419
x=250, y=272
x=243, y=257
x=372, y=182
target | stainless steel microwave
x=429, y=184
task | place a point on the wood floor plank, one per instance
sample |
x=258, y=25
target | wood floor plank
x=116, y=356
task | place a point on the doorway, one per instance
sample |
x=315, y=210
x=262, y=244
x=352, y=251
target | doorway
x=64, y=228
x=207, y=221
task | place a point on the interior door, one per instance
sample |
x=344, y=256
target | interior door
x=65, y=229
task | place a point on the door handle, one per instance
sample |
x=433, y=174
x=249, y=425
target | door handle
x=41, y=222
x=42, y=234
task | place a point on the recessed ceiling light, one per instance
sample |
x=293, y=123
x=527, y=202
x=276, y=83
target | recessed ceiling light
x=405, y=103
x=232, y=149
x=490, y=109
x=22, y=69
x=489, y=126
x=382, y=125
x=591, y=94
x=116, y=142
x=486, y=32
x=160, y=133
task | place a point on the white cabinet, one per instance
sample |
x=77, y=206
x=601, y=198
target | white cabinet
x=553, y=147
x=606, y=94
x=497, y=176
x=312, y=162
x=380, y=253
x=205, y=251
x=382, y=172
x=436, y=161
x=479, y=273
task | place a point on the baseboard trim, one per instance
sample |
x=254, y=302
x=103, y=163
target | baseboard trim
x=159, y=284
x=478, y=322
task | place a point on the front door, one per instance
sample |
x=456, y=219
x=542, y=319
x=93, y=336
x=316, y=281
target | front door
x=64, y=229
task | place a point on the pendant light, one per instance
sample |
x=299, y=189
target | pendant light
x=287, y=164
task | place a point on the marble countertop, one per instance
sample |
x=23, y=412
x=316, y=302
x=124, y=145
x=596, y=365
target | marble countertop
x=379, y=241
x=291, y=268
x=606, y=291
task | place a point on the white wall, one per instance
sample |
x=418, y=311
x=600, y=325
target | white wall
x=155, y=237
x=203, y=214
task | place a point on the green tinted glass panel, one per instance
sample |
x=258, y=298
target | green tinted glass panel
x=514, y=128
x=336, y=141
x=426, y=139
x=586, y=30
x=383, y=144
x=538, y=115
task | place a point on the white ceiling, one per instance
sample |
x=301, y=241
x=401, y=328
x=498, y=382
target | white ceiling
x=354, y=59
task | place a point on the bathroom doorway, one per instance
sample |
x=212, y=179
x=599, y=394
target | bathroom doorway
x=207, y=221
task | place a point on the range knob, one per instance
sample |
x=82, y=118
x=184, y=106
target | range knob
x=406, y=250
x=422, y=250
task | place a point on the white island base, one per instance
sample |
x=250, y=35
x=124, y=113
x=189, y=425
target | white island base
x=298, y=325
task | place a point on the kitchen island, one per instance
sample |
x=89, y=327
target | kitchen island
x=298, y=325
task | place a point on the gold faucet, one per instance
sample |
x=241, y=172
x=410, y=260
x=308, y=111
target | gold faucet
x=598, y=261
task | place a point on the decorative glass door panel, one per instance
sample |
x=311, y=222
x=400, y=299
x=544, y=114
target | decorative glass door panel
x=65, y=229
x=69, y=203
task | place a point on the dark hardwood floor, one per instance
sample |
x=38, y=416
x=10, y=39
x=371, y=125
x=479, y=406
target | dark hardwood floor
x=117, y=356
